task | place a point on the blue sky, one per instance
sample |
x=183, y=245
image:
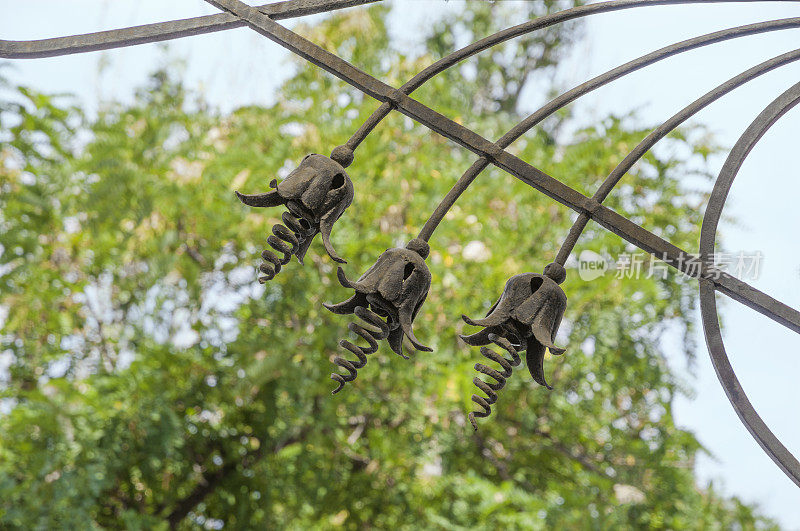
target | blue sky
x=240, y=67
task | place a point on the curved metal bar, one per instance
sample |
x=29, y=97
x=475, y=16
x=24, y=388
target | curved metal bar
x=162, y=31
x=568, y=97
x=663, y=130
x=507, y=34
x=719, y=195
x=730, y=169
x=734, y=391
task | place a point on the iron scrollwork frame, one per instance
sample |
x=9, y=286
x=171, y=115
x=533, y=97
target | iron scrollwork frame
x=381, y=306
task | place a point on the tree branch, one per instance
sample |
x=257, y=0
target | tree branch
x=501, y=466
x=211, y=481
x=581, y=458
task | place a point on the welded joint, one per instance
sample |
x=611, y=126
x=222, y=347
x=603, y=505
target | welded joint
x=395, y=98
x=492, y=151
x=591, y=206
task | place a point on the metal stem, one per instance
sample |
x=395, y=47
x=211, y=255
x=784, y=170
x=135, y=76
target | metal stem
x=568, y=97
x=664, y=129
x=507, y=34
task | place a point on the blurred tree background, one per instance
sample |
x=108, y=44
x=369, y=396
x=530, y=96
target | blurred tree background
x=150, y=382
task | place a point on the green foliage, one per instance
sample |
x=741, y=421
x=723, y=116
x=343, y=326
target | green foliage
x=152, y=382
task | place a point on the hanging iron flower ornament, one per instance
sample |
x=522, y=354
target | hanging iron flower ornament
x=387, y=296
x=315, y=195
x=525, y=317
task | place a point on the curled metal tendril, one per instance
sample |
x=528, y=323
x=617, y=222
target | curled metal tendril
x=287, y=239
x=371, y=336
x=490, y=389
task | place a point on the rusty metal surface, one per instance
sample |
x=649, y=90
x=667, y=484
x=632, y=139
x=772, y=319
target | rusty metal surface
x=525, y=317
x=388, y=296
x=393, y=289
x=315, y=194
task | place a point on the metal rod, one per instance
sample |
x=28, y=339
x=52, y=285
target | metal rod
x=734, y=391
x=510, y=33
x=564, y=99
x=664, y=129
x=162, y=31
x=719, y=194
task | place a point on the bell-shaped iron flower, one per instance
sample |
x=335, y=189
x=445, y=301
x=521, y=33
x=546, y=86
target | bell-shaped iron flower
x=388, y=296
x=525, y=317
x=315, y=195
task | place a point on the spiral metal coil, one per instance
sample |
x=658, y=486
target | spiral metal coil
x=490, y=389
x=286, y=239
x=369, y=335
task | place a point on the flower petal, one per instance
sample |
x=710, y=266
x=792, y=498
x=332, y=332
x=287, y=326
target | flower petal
x=395, y=341
x=348, y=306
x=343, y=279
x=495, y=319
x=405, y=323
x=303, y=248
x=268, y=199
x=478, y=338
x=325, y=227
x=534, y=357
x=543, y=335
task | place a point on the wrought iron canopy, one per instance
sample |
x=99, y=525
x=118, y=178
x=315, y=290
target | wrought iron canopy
x=388, y=295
